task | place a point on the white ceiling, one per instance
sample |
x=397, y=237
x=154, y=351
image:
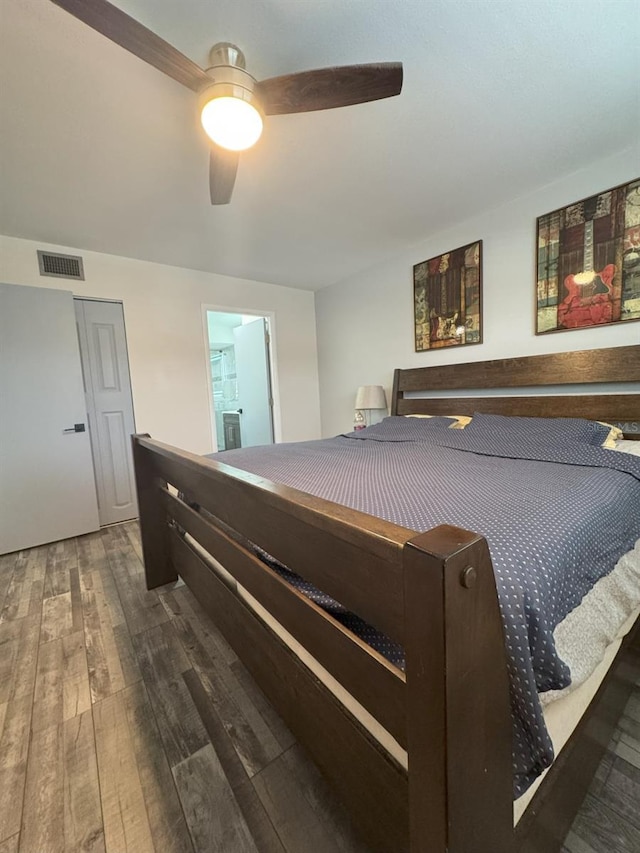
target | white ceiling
x=100, y=151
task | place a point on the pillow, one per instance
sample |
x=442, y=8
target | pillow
x=553, y=430
x=399, y=428
x=615, y=434
x=460, y=420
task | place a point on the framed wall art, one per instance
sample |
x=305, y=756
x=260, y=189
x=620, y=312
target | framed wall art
x=447, y=299
x=588, y=270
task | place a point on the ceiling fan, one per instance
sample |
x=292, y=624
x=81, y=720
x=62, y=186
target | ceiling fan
x=226, y=85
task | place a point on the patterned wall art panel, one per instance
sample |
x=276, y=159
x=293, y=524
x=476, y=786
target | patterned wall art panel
x=447, y=298
x=589, y=262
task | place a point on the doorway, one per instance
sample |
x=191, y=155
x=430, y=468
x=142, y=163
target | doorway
x=239, y=360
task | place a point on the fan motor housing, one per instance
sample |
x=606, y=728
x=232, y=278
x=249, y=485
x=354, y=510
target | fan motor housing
x=225, y=53
x=229, y=81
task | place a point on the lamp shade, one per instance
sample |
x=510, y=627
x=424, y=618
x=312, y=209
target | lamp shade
x=371, y=397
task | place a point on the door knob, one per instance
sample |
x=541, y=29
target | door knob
x=75, y=428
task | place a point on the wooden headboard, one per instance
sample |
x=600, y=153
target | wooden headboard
x=615, y=364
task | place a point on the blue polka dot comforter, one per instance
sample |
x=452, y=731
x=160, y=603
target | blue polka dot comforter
x=557, y=510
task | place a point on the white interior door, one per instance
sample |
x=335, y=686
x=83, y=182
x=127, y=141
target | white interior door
x=105, y=363
x=251, y=343
x=47, y=485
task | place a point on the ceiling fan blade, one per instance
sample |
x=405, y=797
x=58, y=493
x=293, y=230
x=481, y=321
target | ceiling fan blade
x=136, y=38
x=223, y=166
x=326, y=88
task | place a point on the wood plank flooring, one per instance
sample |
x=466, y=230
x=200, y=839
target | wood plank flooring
x=127, y=724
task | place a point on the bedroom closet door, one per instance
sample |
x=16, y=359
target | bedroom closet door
x=105, y=367
x=47, y=486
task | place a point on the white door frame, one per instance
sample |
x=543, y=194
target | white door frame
x=275, y=392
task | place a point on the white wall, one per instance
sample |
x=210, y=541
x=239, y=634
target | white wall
x=166, y=338
x=365, y=324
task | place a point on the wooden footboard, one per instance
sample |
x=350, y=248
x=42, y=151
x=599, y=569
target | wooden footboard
x=433, y=592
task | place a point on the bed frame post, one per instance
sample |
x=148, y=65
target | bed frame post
x=458, y=719
x=396, y=393
x=158, y=565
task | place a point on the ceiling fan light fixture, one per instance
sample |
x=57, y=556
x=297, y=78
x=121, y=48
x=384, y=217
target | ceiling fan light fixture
x=231, y=116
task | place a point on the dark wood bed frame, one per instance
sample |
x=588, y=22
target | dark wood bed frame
x=433, y=592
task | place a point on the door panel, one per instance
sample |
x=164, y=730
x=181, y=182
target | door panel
x=108, y=392
x=117, y=441
x=106, y=358
x=254, y=383
x=47, y=485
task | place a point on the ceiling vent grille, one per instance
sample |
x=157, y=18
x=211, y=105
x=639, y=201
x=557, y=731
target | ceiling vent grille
x=60, y=266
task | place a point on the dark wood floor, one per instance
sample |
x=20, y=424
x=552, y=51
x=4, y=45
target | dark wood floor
x=127, y=724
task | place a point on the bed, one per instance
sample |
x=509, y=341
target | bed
x=434, y=593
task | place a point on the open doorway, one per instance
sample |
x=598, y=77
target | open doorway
x=240, y=379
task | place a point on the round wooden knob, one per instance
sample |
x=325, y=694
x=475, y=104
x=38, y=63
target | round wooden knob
x=468, y=577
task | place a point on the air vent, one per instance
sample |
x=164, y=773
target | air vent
x=60, y=266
